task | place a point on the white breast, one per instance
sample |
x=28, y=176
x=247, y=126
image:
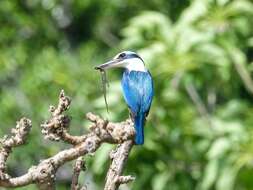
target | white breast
x=135, y=64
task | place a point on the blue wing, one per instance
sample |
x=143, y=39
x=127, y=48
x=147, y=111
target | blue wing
x=138, y=93
x=137, y=90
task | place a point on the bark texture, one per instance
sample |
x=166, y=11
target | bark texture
x=56, y=128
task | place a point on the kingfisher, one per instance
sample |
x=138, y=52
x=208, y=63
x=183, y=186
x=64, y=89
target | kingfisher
x=137, y=87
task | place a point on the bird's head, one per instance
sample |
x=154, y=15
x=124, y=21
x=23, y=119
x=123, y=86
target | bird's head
x=126, y=59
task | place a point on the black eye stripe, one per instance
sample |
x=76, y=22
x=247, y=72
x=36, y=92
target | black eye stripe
x=134, y=56
x=122, y=55
x=128, y=56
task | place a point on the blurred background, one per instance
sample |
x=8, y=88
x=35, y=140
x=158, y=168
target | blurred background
x=199, y=133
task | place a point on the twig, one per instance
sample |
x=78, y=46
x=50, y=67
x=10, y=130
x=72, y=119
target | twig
x=239, y=60
x=175, y=81
x=192, y=92
x=119, y=158
x=78, y=167
x=56, y=128
x=211, y=99
x=19, y=136
x=245, y=76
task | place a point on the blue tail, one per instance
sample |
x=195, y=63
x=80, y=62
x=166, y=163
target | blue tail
x=139, y=121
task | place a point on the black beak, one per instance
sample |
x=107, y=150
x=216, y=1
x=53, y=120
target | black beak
x=98, y=68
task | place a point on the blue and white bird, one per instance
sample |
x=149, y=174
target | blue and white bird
x=137, y=86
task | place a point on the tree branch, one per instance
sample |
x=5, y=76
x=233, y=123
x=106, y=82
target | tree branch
x=19, y=136
x=56, y=128
x=193, y=93
x=119, y=158
x=78, y=167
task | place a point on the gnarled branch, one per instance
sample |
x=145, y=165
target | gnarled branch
x=56, y=128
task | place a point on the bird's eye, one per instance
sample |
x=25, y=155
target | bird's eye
x=122, y=55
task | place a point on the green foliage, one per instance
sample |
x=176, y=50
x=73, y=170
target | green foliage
x=189, y=47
